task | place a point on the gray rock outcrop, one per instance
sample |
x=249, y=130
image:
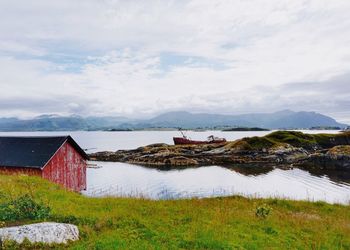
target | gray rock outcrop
x=287, y=148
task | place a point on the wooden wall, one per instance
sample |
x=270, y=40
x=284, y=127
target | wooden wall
x=67, y=168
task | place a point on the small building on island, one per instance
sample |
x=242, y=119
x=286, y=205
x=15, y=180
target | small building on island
x=58, y=159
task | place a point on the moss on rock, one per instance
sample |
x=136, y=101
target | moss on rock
x=294, y=138
x=309, y=141
x=259, y=143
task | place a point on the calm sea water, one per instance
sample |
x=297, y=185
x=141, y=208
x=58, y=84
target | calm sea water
x=125, y=180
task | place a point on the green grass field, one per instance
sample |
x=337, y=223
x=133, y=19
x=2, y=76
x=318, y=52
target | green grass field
x=218, y=223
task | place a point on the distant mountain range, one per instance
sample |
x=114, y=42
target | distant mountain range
x=283, y=119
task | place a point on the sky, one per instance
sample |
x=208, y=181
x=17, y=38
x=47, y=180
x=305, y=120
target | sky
x=141, y=58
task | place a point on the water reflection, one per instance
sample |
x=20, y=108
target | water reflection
x=336, y=175
x=250, y=169
x=125, y=180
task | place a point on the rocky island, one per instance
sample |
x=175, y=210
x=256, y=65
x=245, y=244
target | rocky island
x=284, y=148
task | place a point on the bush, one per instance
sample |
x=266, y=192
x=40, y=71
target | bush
x=263, y=211
x=71, y=219
x=22, y=208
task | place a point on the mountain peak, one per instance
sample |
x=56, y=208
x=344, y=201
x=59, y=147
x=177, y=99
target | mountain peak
x=285, y=111
x=47, y=116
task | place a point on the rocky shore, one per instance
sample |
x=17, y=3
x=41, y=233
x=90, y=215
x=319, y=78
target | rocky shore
x=288, y=148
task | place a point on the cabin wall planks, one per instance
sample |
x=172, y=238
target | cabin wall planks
x=67, y=168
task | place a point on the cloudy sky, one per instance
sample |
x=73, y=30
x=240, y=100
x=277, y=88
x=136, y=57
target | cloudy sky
x=138, y=58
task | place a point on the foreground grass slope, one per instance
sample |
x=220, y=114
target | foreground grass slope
x=220, y=223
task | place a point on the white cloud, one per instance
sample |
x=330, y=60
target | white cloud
x=236, y=56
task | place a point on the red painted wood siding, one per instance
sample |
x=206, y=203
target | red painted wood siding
x=20, y=170
x=67, y=168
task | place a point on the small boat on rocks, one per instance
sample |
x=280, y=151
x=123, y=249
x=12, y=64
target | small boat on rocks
x=184, y=140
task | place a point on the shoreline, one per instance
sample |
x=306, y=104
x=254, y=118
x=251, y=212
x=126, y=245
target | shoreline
x=288, y=148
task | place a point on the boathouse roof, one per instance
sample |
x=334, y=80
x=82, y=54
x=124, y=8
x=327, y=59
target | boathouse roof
x=33, y=151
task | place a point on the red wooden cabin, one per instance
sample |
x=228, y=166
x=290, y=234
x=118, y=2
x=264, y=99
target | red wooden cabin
x=58, y=159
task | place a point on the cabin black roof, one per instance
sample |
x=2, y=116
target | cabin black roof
x=32, y=152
